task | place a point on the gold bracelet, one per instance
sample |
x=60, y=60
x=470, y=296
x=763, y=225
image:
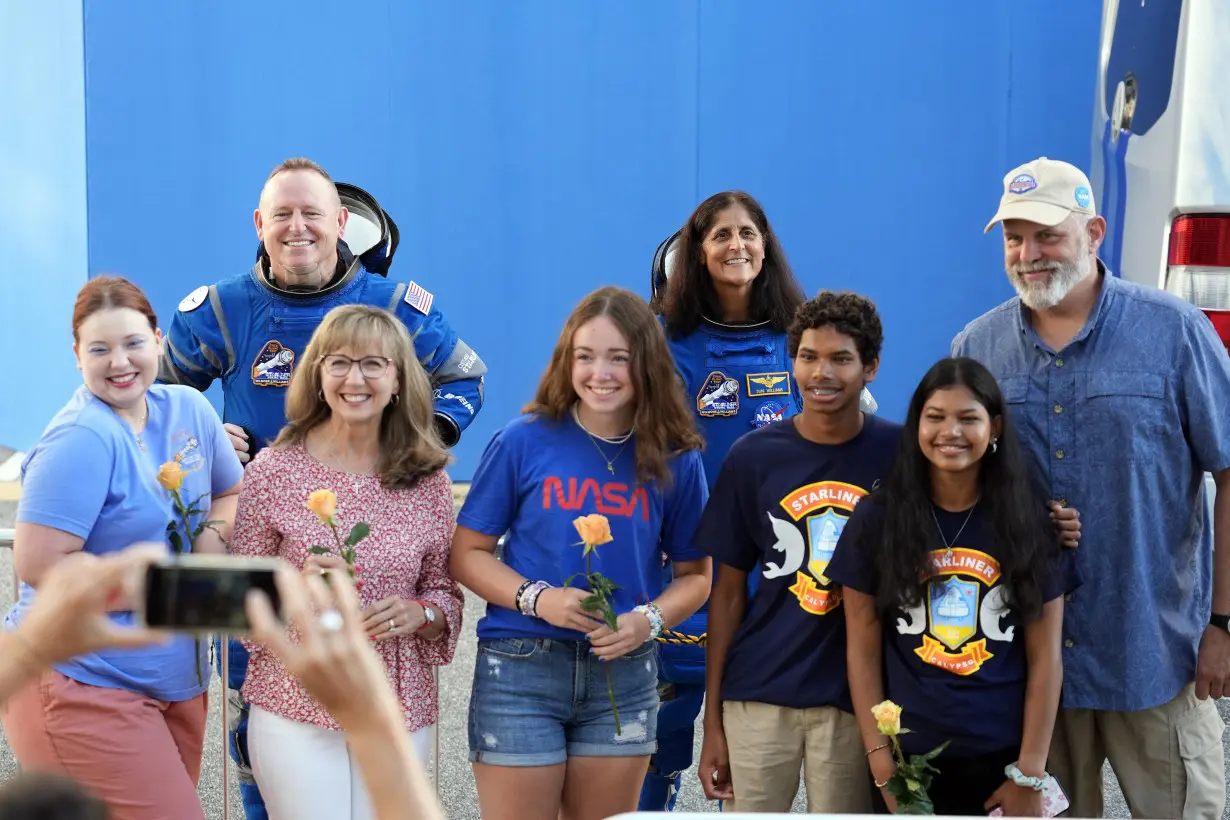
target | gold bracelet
x=881, y=785
x=876, y=749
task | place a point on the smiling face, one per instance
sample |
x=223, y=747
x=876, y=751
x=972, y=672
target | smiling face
x=1045, y=263
x=602, y=370
x=359, y=382
x=733, y=248
x=955, y=430
x=300, y=220
x=117, y=353
x=829, y=372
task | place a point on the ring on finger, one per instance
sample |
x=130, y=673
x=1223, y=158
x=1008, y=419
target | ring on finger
x=331, y=620
x=392, y=625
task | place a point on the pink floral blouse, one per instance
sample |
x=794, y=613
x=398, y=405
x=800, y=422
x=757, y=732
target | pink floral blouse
x=406, y=554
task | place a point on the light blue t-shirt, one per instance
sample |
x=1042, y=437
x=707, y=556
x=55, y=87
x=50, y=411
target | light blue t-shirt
x=537, y=475
x=87, y=475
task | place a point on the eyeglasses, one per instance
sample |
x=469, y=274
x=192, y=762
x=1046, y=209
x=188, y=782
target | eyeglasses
x=372, y=367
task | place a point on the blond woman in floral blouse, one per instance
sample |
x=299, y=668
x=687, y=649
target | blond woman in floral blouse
x=359, y=425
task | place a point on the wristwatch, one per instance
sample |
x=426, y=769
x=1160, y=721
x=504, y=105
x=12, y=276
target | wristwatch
x=1023, y=780
x=1220, y=621
x=429, y=614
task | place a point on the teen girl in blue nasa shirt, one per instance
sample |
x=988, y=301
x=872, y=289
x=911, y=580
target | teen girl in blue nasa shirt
x=726, y=294
x=608, y=433
x=972, y=654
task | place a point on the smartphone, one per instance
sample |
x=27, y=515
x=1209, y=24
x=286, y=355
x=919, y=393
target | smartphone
x=1054, y=801
x=204, y=594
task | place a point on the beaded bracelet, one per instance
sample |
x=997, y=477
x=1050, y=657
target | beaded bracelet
x=521, y=591
x=528, y=603
x=654, y=613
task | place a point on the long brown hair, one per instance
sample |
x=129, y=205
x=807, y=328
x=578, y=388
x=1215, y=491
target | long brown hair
x=689, y=294
x=410, y=447
x=662, y=420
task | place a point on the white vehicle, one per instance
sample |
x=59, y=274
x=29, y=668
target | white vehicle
x=1161, y=149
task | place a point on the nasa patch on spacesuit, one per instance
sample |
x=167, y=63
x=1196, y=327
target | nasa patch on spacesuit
x=718, y=396
x=768, y=412
x=273, y=365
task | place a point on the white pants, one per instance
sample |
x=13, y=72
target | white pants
x=305, y=772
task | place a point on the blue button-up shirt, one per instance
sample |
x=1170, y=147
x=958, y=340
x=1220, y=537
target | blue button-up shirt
x=1122, y=423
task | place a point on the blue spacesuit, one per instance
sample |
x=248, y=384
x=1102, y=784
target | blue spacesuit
x=739, y=377
x=251, y=334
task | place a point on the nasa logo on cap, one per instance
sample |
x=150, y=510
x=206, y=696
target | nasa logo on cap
x=273, y=365
x=1082, y=196
x=1023, y=183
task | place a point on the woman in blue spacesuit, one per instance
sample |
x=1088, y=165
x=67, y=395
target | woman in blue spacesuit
x=726, y=294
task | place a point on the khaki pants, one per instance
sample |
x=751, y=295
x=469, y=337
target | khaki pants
x=1168, y=760
x=769, y=744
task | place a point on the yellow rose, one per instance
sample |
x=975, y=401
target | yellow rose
x=888, y=717
x=324, y=504
x=171, y=476
x=594, y=529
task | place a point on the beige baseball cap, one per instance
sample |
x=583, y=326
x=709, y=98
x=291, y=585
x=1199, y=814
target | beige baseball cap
x=1045, y=191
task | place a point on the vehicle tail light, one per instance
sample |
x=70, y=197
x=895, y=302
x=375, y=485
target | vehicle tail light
x=1199, y=266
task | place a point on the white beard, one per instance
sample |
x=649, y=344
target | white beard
x=1050, y=292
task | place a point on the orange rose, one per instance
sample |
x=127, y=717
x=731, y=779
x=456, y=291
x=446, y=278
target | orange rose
x=594, y=529
x=324, y=504
x=171, y=476
x=888, y=718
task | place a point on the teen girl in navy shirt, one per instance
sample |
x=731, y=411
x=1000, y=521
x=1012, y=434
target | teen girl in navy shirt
x=609, y=432
x=972, y=652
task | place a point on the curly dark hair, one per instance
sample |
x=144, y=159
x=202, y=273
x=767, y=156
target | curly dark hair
x=849, y=313
x=1026, y=543
x=689, y=295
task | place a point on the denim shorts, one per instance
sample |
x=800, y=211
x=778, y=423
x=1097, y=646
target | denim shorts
x=537, y=702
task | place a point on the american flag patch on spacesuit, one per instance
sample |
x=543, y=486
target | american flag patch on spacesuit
x=418, y=298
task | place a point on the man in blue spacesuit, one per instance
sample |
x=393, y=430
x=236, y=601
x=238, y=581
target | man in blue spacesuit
x=250, y=332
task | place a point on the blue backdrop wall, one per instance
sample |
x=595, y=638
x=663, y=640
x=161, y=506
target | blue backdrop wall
x=529, y=152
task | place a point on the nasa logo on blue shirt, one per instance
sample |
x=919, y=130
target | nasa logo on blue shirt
x=1082, y=196
x=767, y=413
x=273, y=365
x=1023, y=183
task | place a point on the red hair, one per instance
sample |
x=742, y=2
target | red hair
x=109, y=292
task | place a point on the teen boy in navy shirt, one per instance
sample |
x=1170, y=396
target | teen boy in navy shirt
x=776, y=690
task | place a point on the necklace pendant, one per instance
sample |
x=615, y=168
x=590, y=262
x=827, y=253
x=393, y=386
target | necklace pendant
x=610, y=468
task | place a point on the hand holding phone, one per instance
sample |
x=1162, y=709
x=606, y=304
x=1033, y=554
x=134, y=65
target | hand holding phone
x=204, y=594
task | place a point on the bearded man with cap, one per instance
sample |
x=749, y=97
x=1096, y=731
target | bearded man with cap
x=250, y=331
x=1121, y=394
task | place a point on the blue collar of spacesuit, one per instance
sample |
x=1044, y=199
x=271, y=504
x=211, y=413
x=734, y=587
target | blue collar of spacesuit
x=348, y=267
